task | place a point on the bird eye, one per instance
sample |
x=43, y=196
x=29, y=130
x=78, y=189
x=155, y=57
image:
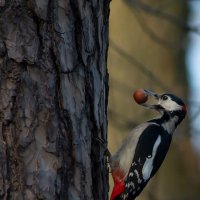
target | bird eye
x=164, y=97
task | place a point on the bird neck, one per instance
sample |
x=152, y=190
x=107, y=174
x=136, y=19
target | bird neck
x=179, y=114
x=170, y=120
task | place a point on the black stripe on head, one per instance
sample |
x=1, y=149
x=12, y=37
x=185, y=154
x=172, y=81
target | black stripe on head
x=174, y=98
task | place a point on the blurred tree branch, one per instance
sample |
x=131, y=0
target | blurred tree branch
x=137, y=64
x=159, y=13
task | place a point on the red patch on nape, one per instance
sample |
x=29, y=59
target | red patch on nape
x=118, y=183
x=184, y=109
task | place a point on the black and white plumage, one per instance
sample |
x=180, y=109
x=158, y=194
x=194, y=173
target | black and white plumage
x=144, y=150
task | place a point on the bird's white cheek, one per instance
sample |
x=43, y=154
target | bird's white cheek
x=170, y=105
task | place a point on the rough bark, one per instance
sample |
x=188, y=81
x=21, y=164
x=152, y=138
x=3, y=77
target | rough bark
x=53, y=99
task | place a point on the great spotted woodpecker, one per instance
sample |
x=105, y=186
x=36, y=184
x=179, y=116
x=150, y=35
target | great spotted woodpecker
x=143, y=151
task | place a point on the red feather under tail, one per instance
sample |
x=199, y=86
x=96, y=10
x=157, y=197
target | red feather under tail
x=118, y=184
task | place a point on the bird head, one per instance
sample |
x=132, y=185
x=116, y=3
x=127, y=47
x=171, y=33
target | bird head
x=166, y=104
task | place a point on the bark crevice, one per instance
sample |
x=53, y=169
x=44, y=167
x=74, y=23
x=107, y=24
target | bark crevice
x=53, y=100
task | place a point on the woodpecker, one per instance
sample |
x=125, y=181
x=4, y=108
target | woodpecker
x=143, y=151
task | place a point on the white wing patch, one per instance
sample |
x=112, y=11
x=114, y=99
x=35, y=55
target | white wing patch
x=148, y=165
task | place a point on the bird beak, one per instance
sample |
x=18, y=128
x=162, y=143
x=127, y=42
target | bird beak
x=152, y=101
x=150, y=93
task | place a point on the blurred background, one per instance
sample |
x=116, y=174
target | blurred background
x=155, y=44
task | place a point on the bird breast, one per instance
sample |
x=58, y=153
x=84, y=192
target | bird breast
x=122, y=159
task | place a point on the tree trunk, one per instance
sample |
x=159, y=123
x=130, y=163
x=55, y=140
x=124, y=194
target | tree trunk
x=53, y=99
